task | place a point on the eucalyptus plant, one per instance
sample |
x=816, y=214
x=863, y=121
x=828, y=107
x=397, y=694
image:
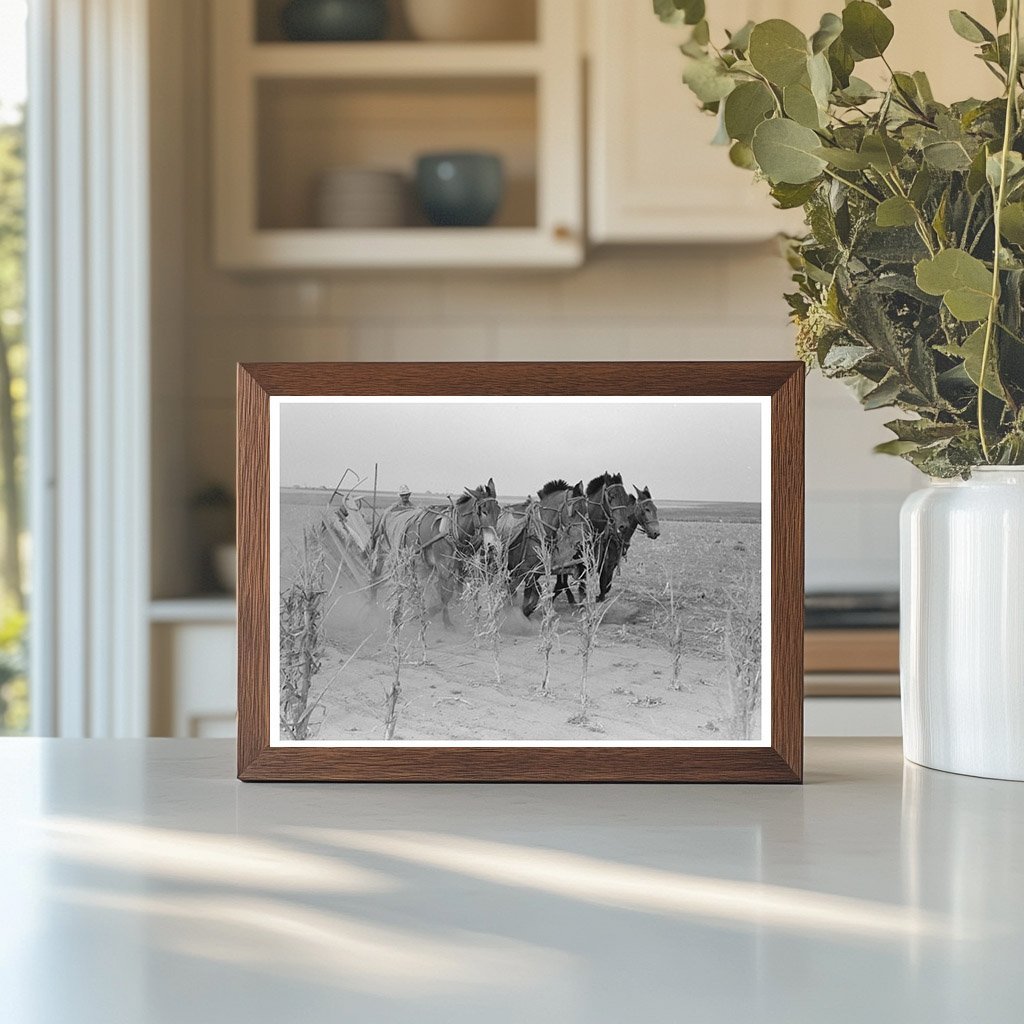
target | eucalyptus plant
x=910, y=278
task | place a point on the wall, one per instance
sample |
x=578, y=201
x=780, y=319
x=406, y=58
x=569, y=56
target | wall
x=653, y=303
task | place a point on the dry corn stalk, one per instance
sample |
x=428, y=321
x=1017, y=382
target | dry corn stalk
x=302, y=639
x=548, y=636
x=485, y=590
x=591, y=615
x=742, y=649
x=401, y=605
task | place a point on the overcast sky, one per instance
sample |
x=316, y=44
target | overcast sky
x=682, y=450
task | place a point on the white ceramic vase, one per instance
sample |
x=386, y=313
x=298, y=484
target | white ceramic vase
x=962, y=624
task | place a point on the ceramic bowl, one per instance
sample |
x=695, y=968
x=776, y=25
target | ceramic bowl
x=359, y=197
x=470, y=20
x=460, y=189
x=334, y=20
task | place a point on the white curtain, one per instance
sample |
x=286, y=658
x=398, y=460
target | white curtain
x=88, y=318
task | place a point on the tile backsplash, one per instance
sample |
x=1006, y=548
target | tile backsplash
x=716, y=302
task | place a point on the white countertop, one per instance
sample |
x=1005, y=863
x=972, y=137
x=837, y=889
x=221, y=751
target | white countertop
x=143, y=885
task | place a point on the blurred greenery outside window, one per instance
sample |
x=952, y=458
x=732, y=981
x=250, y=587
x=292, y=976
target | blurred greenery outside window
x=14, y=550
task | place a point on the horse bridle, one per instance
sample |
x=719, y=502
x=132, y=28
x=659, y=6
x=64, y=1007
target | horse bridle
x=606, y=504
x=477, y=517
x=641, y=522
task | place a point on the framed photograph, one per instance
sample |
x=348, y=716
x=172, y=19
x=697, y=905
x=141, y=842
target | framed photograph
x=521, y=572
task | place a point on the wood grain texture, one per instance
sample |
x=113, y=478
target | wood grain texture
x=781, y=762
x=852, y=650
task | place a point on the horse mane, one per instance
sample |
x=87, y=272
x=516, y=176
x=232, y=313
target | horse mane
x=553, y=487
x=606, y=479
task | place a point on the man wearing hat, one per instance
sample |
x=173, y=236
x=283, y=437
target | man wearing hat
x=404, y=497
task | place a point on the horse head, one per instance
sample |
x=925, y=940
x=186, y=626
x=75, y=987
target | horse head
x=645, y=512
x=570, y=524
x=616, y=502
x=476, y=516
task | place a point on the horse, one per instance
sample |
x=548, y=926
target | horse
x=643, y=515
x=441, y=536
x=608, y=514
x=542, y=534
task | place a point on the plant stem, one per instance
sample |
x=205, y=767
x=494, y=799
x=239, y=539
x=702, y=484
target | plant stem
x=993, y=309
x=849, y=184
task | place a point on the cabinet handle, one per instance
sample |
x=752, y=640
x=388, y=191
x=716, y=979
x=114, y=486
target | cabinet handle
x=563, y=232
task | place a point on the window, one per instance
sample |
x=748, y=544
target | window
x=14, y=549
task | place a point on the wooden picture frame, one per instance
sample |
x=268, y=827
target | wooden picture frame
x=779, y=759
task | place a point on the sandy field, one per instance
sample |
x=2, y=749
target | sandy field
x=454, y=690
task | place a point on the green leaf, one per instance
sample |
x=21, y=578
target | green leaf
x=923, y=431
x=921, y=185
x=739, y=41
x=1014, y=169
x=789, y=197
x=939, y=220
x=778, y=50
x=820, y=76
x=841, y=60
x=746, y=107
x=844, y=159
x=963, y=281
x=676, y=12
x=708, y=80
x=885, y=394
x=882, y=153
x=741, y=155
x=947, y=156
x=999, y=7
x=976, y=173
x=896, y=212
x=924, y=87
x=800, y=105
x=1012, y=225
x=969, y=28
x=895, y=447
x=785, y=152
x=858, y=91
x=829, y=30
x=971, y=352
x=866, y=29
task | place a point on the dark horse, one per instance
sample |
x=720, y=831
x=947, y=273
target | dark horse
x=442, y=537
x=613, y=546
x=544, y=533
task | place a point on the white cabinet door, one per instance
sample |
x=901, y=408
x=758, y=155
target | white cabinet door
x=653, y=175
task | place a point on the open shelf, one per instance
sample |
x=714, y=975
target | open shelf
x=308, y=127
x=286, y=114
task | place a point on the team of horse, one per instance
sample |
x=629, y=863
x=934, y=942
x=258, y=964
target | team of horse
x=542, y=535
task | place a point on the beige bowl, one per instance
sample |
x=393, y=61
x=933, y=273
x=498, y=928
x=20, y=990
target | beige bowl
x=471, y=20
x=358, y=197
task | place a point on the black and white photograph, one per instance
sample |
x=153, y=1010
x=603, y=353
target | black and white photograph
x=487, y=571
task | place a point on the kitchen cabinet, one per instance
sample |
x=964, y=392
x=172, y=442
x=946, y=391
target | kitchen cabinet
x=286, y=113
x=193, y=672
x=653, y=175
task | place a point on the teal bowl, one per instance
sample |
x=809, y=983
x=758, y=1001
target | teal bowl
x=460, y=190
x=334, y=21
